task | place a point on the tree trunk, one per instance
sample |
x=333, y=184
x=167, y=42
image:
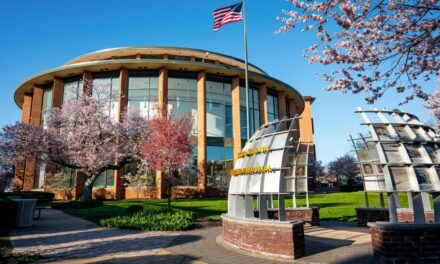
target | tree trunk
x=86, y=196
x=169, y=182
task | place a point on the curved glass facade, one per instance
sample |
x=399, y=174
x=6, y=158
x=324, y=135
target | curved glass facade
x=144, y=77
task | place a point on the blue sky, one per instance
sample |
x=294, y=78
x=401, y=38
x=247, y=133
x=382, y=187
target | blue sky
x=38, y=35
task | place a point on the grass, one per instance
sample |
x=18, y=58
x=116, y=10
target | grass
x=333, y=206
x=202, y=208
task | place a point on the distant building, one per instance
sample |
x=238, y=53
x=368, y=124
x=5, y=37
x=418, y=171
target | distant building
x=207, y=84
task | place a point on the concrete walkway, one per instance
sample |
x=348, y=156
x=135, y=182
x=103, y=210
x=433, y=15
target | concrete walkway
x=61, y=238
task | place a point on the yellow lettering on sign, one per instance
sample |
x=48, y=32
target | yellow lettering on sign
x=250, y=170
x=254, y=151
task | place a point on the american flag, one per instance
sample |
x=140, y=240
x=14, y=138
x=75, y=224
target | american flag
x=227, y=15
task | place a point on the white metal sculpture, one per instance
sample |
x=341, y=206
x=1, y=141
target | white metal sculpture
x=401, y=154
x=272, y=163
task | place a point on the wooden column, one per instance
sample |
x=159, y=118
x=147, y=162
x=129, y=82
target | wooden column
x=19, y=175
x=281, y=104
x=122, y=108
x=80, y=176
x=201, y=131
x=262, y=95
x=162, y=98
x=37, y=101
x=236, y=126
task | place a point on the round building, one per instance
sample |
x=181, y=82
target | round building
x=207, y=84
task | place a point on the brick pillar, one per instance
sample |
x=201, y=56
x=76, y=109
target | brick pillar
x=162, y=98
x=201, y=131
x=57, y=92
x=80, y=183
x=306, y=125
x=122, y=107
x=37, y=101
x=25, y=119
x=87, y=82
x=236, y=126
x=292, y=108
x=281, y=104
x=262, y=95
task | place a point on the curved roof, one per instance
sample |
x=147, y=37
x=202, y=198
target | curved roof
x=106, y=54
x=115, y=59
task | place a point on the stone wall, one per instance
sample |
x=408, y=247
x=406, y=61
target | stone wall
x=268, y=238
x=406, y=243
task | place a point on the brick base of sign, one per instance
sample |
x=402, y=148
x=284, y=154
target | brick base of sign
x=365, y=215
x=369, y=215
x=267, y=238
x=405, y=242
x=407, y=215
x=306, y=214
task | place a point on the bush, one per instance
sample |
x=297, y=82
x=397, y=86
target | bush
x=157, y=220
x=8, y=210
x=43, y=197
x=135, y=209
x=76, y=205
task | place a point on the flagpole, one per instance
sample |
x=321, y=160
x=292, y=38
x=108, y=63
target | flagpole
x=246, y=72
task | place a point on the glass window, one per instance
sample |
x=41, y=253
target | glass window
x=218, y=109
x=46, y=104
x=272, y=106
x=106, y=87
x=219, y=131
x=187, y=176
x=254, y=111
x=40, y=174
x=105, y=179
x=219, y=165
x=73, y=88
x=142, y=92
x=182, y=96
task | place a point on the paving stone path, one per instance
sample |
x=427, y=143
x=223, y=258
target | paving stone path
x=61, y=238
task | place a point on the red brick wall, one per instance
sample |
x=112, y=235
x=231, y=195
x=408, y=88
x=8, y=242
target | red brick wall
x=270, y=238
x=406, y=243
x=308, y=215
x=368, y=215
x=406, y=215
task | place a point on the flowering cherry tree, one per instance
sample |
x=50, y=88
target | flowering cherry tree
x=434, y=104
x=375, y=45
x=168, y=147
x=82, y=136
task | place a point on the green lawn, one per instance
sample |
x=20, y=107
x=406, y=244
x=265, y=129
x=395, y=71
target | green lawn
x=334, y=206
